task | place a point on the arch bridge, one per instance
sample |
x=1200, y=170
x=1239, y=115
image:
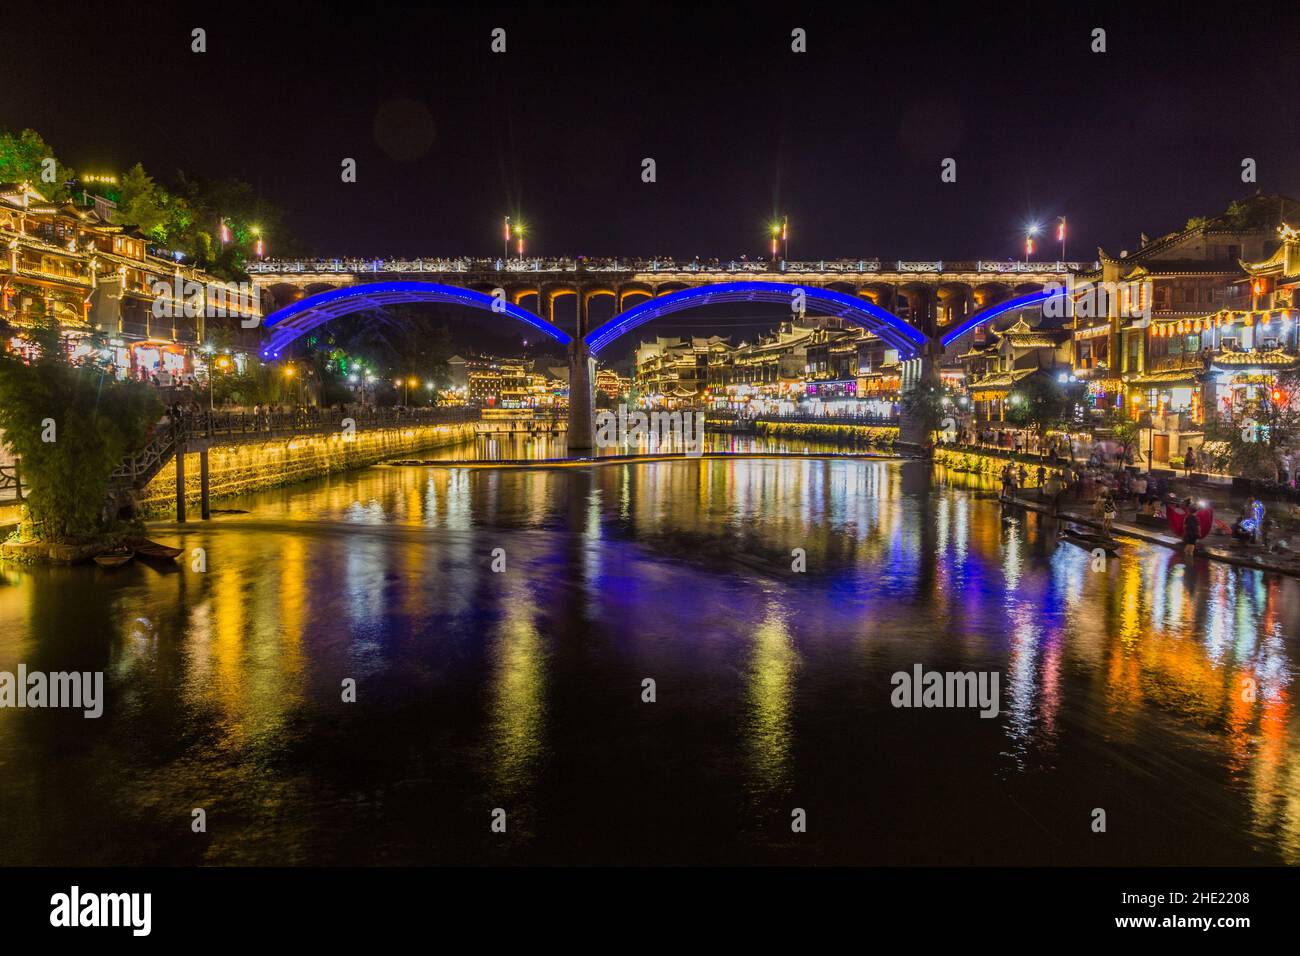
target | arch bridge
x=918, y=308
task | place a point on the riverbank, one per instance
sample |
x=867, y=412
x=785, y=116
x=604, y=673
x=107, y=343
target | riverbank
x=253, y=466
x=1217, y=547
x=240, y=469
x=640, y=458
x=876, y=436
x=11, y=515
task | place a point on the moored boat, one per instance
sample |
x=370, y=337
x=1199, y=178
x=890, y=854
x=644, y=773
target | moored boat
x=154, y=551
x=114, y=557
x=1088, y=539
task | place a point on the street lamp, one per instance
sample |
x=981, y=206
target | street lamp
x=776, y=234
x=289, y=373
x=1060, y=234
x=222, y=362
x=1030, y=231
x=505, y=243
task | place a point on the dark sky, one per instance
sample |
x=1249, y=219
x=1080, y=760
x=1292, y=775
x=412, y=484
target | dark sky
x=846, y=138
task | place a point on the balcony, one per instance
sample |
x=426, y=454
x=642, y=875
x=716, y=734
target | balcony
x=1176, y=363
x=1242, y=299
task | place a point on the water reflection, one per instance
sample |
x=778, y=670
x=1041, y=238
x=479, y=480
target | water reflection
x=518, y=710
x=1160, y=688
x=770, y=716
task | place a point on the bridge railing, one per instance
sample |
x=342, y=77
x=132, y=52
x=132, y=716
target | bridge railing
x=314, y=420
x=11, y=481
x=138, y=469
x=806, y=419
x=710, y=266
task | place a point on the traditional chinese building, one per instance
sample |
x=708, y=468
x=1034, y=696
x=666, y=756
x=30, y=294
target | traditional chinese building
x=1139, y=321
x=1014, y=354
x=70, y=264
x=613, y=386
x=1214, y=363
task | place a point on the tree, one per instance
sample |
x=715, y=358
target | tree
x=71, y=426
x=925, y=403
x=1266, y=431
x=1126, y=433
x=23, y=159
x=1037, y=401
x=141, y=202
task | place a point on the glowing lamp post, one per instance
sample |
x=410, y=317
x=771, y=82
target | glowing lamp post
x=1031, y=230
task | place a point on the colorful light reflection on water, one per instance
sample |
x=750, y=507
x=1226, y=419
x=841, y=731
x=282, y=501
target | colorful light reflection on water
x=1125, y=689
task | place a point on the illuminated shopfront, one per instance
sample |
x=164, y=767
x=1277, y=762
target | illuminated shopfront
x=151, y=357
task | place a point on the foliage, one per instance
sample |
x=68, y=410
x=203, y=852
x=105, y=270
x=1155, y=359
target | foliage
x=864, y=434
x=925, y=402
x=398, y=340
x=257, y=384
x=1264, y=434
x=1126, y=433
x=185, y=218
x=94, y=422
x=21, y=159
x=1038, y=400
x=142, y=203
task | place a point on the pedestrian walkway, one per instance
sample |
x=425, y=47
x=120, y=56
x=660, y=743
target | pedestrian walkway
x=1218, y=547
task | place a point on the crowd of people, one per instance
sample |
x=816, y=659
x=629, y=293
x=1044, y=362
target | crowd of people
x=1103, y=488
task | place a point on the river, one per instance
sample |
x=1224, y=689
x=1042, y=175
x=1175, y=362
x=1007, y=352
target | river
x=500, y=626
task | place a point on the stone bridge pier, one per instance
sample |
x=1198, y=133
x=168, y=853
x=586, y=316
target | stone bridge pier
x=913, y=429
x=920, y=371
x=582, y=376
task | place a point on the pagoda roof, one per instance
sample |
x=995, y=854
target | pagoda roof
x=1001, y=381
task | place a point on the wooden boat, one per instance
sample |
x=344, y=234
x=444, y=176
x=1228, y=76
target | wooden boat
x=1088, y=539
x=114, y=558
x=153, y=551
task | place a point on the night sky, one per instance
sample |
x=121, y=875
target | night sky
x=846, y=139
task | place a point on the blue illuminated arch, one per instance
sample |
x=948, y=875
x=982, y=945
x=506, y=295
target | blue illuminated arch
x=1002, y=308
x=891, y=329
x=301, y=317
